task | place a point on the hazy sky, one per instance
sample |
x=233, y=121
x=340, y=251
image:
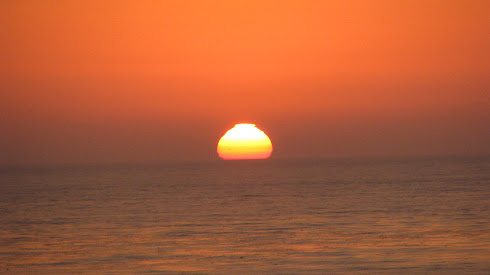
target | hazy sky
x=121, y=81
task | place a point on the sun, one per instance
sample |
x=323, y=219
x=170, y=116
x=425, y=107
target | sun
x=244, y=141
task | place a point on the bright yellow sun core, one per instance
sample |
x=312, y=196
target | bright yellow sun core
x=244, y=141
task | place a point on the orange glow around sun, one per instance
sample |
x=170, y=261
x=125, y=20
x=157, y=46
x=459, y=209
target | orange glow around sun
x=244, y=141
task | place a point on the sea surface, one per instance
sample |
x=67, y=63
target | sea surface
x=412, y=215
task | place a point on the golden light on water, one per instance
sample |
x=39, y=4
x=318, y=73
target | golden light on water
x=244, y=141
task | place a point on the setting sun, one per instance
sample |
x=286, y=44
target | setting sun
x=244, y=141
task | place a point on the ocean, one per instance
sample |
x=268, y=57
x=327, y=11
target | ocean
x=404, y=215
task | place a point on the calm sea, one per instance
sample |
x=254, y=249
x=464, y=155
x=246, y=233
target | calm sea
x=428, y=215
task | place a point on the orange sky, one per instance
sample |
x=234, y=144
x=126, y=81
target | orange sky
x=104, y=81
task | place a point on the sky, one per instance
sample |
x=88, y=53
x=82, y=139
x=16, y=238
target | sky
x=149, y=81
